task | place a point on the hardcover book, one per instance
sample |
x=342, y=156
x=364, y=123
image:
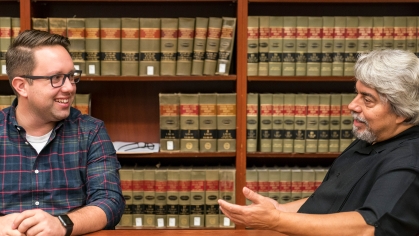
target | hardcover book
x=92, y=26
x=324, y=123
x=200, y=41
x=351, y=45
x=212, y=208
x=296, y=184
x=15, y=27
x=169, y=45
x=365, y=34
x=263, y=181
x=76, y=34
x=226, y=122
x=58, y=26
x=301, y=46
x=308, y=182
x=138, y=197
x=189, y=122
x=252, y=45
x=110, y=46
x=346, y=122
x=226, y=46
x=130, y=43
x=274, y=183
x=160, y=207
x=263, y=45
x=252, y=122
x=197, y=198
x=5, y=40
x=185, y=46
x=276, y=29
x=227, y=193
x=289, y=113
x=335, y=110
x=213, y=45
x=388, y=35
x=169, y=122
x=314, y=46
x=149, y=46
x=338, y=46
x=149, y=198
x=82, y=102
x=285, y=185
x=300, y=123
x=327, y=46
x=126, y=187
x=207, y=122
x=184, y=197
x=289, y=46
x=400, y=31
x=252, y=181
x=172, y=199
x=312, y=132
x=40, y=24
x=265, y=122
x=4, y=101
x=277, y=122
x=411, y=33
x=377, y=32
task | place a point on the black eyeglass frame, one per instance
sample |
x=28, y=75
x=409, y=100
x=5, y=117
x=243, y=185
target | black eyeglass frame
x=75, y=79
x=144, y=145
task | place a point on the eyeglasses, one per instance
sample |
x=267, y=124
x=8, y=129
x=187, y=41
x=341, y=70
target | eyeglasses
x=136, y=146
x=58, y=79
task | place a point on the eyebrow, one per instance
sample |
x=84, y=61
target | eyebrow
x=368, y=95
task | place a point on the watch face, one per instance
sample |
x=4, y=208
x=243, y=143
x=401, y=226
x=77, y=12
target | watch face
x=65, y=220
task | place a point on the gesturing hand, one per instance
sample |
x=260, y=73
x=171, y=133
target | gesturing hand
x=6, y=225
x=38, y=222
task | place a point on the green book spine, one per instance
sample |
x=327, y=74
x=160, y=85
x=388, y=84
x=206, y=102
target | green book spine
x=276, y=29
x=274, y=183
x=365, y=25
x=213, y=45
x=300, y=123
x=320, y=173
x=351, y=45
x=263, y=45
x=110, y=46
x=138, y=197
x=126, y=187
x=130, y=43
x=5, y=40
x=265, y=122
x=212, y=208
x=312, y=132
x=377, y=32
x=149, y=198
x=289, y=111
x=411, y=33
x=338, y=46
x=184, y=197
x=83, y=103
x=226, y=122
x=335, y=108
x=76, y=34
x=185, y=46
x=263, y=181
x=169, y=122
x=289, y=46
x=200, y=41
x=252, y=45
x=327, y=46
x=207, y=122
x=251, y=182
x=277, y=122
x=252, y=122
x=168, y=45
x=324, y=123
x=4, y=101
x=197, y=218
x=58, y=26
x=227, y=193
x=172, y=199
x=150, y=46
x=40, y=24
x=314, y=44
x=189, y=122
x=15, y=27
x=296, y=184
x=388, y=35
x=226, y=46
x=285, y=185
x=308, y=182
x=92, y=26
x=346, y=124
x=400, y=32
x=301, y=46
x=160, y=207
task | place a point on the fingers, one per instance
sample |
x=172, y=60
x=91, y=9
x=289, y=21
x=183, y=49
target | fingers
x=25, y=220
x=252, y=196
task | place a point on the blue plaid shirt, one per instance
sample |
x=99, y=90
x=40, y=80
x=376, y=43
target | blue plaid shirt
x=77, y=167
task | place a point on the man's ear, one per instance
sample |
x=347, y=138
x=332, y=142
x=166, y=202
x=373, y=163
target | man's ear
x=20, y=85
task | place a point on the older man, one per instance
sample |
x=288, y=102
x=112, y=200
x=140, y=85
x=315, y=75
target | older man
x=373, y=186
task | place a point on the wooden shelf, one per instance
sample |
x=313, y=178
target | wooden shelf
x=302, y=78
x=335, y=1
x=291, y=155
x=158, y=78
x=183, y=232
x=131, y=1
x=178, y=155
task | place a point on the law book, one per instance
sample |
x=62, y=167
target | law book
x=5, y=40
x=169, y=122
x=189, y=122
x=168, y=45
x=184, y=197
x=276, y=28
x=57, y=26
x=277, y=122
x=110, y=46
x=212, y=208
x=226, y=46
x=252, y=181
x=388, y=34
x=197, y=219
x=411, y=33
x=227, y=193
x=351, y=45
x=160, y=207
x=285, y=185
x=346, y=122
x=274, y=183
x=265, y=122
x=208, y=122
x=40, y=24
x=312, y=130
x=338, y=46
x=213, y=45
x=130, y=45
x=138, y=197
x=335, y=108
x=300, y=123
x=82, y=102
x=296, y=183
x=126, y=187
x=400, y=23
x=200, y=42
x=263, y=181
x=263, y=46
x=76, y=33
x=308, y=177
x=4, y=101
x=377, y=32
x=92, y=27
x=289, y=111
x=324, y=123
x=314, y=45
x=150, y=46
x=301, y=46
x=365, y=25
x=149, y=198
x=252, y=122
x=289, y=46
x=185, y=46
x=226, y=122
x=252, y=45
x=15, y=27
x=327, y=46
x=172, y=199
x=320, y=173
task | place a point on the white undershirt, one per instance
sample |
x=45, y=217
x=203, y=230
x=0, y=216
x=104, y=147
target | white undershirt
x=38, y=142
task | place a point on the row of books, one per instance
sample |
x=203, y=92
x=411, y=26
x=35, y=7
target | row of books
x=299, y=123
x=147, y=46
x=9, y=29
x=204, y=122
x=176, y=197
x=6, y=101
x=284, y=184
x=322, y=46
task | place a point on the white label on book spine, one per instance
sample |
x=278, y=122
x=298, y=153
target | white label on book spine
x=197, y=221
x=138, y=222
x=172, y=222
x=222, y=68
x=170, y=145
x=150, y=70
x=77, y=67
x=92, y=69
x=3, y=69
x=226, y=221
x=160, y=222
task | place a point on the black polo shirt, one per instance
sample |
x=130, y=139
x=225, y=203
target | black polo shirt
x=379, y=181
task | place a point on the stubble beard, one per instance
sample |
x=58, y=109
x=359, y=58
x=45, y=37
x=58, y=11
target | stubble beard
x=367, y=135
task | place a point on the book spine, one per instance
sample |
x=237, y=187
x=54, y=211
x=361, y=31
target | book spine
x=320, y=173
x=335, y=108
x=126, y=187
x=150, y=46
x=300, y=123
x=58, y=26
x=172, y=199
x=226, y=46
x=308, y=182
x=15, y=27
x=82, y=102
x=169, y=122
x=285, y=185
x=263, y=45
x=130, y=43
x=377, y=32
x=314, y=44
x=252, y=45
x=5, y=40
x=197, y=218
x=4, y=101
x=186, y=34
x=160, y=207
x=212, y=208
x=213, y=45
x=274, y=183
x=289, y=111
x=138, y=197
x=265, y=122
x=327, y=45
x=92, y=26
x=168, y=45
x=252, y=122
x=301, y=46
x=227, y=193
x=277, y=122
x=312, y=132
x=110, y=46
x=365, y=24
x=208, y=122
x=289, y=46
x=184, y=197
x=276, y=34
x=411, y=33
x=324, y=123
x=76, y=34
x=263, y=181
x=40, y=24
x=200, y=41
x=149, y=198
x=226, y=122
x=351, y=45
x=388, y=36
x=346, y=124
x=296, y=184
x=400, y=32
x=338, y=46
x=251, y=182
x=189, y=122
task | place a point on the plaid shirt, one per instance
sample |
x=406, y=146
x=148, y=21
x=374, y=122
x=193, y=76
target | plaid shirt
x=77, y=167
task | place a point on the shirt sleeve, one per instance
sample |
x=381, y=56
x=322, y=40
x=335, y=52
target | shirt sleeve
x=103, y=182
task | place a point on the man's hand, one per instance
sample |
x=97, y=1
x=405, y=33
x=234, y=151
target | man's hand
x=6, y=223
x=262, y=214
x=38, y=222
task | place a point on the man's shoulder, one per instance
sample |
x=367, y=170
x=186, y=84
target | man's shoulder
x=87, y=120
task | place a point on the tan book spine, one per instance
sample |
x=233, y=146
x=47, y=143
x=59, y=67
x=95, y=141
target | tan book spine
x=40, y=24
x=150, y=46
x=263, y=181
x=252, y=182
x=189, y=122
x=186, y=34
x=265, y=122
x=289, y=48
x=411, y=25
x=58, y=26
x=4, y=101
x=212, y=208
x=351, y=45
x=400, y=32
x=324, y=123
x=227, y=193
x=226, y=122
x=138, y=197
x=274, y=183
x=308, y=182
x=276, y=34
x=346, y=122
x=277, y=122
x=300, y=123
x=301, y=46
x=289, y=115
x=226, y=46
x=83, y=103
x=338, y=46
x=149, y=198
x=327, y=46
x=388, y=35
x=263, y=46
x=335, y=108
x=314, y=44
x=130, y=45
x=312, y=130
x=126, y=187
x=296, y=184
x=92, y=26
x=320, y=173
x=169, y=122
x=377, y=32
x=110, y=46
x=168, y=45
x=161, y=196
x=200, y=42
x=285, y=185
x=365, y=25
x=208, y=122
x=15, y=27
x=252, y=45
x=172, y=199
x=197, y=218
x=213, y=45
x=252, y=122
x=76, y=33
x=5, y=40
x=184, y=197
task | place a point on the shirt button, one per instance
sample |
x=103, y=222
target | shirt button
x=36, y=171
x=18, y=128
x=37, y=203
x=26, y=143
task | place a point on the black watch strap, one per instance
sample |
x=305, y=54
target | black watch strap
x=67, y=223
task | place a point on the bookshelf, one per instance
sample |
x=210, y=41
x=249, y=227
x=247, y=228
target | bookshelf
x=129, y=105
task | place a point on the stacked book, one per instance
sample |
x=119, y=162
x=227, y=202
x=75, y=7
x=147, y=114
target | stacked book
x=82, y=102
x=6, y=101
x=299, y=123
x=176, y=197
x=147, y=46
x=204, y=122
x=9, y=29
x=322, y=46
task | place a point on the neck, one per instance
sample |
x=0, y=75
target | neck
x=32, y=124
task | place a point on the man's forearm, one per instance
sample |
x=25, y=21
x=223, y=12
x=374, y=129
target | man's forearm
x=88, y=219
x=293, y=206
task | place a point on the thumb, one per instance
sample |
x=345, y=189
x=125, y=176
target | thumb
x=252, y=196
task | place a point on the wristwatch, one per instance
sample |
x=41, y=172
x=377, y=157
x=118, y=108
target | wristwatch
x=67, y=223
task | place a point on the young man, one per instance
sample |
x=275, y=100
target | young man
x=58, y=168
x=373, y=186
